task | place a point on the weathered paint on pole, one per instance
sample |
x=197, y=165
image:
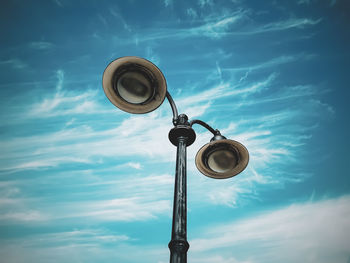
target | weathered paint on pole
x=178, y=245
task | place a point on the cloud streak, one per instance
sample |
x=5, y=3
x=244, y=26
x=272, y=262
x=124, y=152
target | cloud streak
x=15, y=63
x=266, y=142
x=41, y=45
x=291, y=234
x=236, y=24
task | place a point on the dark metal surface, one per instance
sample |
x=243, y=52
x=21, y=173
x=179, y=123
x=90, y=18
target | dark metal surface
x=218, y=137
x=173, y=108
x=205, y=125
x=178, y=245
x=182, y=129
x=182, y=135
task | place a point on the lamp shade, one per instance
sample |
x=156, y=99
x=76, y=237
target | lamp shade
x=134, y=84
x=221, y=159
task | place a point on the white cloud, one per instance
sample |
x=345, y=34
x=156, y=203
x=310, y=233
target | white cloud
x=88, y=250
x=304, y=2
x=226, y=90
x=77, y=236
x=332, y=3
x=152, y=56
x=81, y=245
x=15, y=63
x=214, y=26
x=58, y=2
x=122, y=209
x=268, y=64
x=146, y=135
x=120, y=17
x=130, y=197
x=145, y=139
x=41, y=45
x=203, y=3
x=134, y=165
x=306, y=232
x=63, y=102
x=6, y=201
x=285, y=25
x=23, y=216
x=223, y=25
x=218, y=28
x=168, y=3
x=216, y=259
x=192, y=13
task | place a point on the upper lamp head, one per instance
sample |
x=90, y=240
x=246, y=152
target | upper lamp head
x=222, y=158
x=134, y=84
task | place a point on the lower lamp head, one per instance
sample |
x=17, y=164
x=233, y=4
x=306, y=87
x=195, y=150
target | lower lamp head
x=222, y=159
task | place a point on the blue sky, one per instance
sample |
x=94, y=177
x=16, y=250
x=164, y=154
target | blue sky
x=82, y=181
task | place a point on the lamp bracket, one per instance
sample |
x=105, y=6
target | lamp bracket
x=173, y=108
x=216, y=132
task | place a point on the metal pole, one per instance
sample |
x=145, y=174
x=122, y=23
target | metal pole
x=178, y=245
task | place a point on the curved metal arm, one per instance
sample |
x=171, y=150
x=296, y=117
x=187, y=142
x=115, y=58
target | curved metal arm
x=173, y=107
x=205, y=125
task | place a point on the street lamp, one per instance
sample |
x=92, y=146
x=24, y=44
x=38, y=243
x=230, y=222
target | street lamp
x=136, y=85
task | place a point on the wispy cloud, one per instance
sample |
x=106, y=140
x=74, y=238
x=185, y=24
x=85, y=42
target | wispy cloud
x=16, y=209
x=290, y=23
x=192, y=13
x=227, y=90
x=152, y=56
x=220, y=28
x=217, y=259
x=203, y=3
x=262, y=133
x=22, y=217
x=240, y=72
x=14, y=63
x=217, y=26
x=63, y=245
x=235, y=24
x=118, y=15
x=128, y=197
x=267, y=64
x=292, y=234
x=304, y=2
x=82, y=245
x=41, y=45
x=77, y=236
x=63, y=102
x=101, y=143
x=134, y=165
x=266, y=142
x=80, y=178
x=58, y=3
x=168, y=3
x=125, y=209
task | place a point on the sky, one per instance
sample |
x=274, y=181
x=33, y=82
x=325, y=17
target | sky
x=82, y=181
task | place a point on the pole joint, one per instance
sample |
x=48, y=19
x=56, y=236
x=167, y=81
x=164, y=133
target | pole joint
x=182, y=129
x=179, y=246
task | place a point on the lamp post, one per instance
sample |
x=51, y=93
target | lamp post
x=136, y=85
